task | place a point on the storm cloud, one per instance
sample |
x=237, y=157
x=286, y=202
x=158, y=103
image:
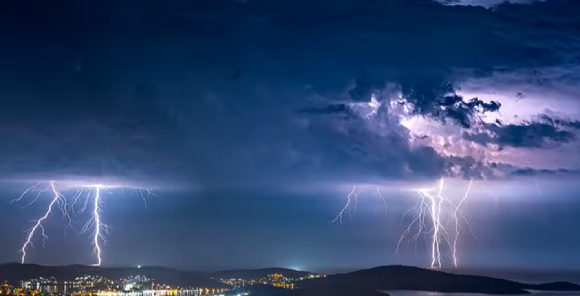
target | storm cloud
x=526, y=135
x=219, y=92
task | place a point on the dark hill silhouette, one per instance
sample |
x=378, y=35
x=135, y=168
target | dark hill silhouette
x=419, y=279
x=247, y=274
x=557, y=286
x=14, y=272
x=361, y=283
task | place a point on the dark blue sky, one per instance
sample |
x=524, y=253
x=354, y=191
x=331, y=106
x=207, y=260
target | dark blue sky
x=246, y=229
x=253, y=119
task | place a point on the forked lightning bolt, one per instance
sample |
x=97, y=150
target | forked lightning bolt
x=352, y=199
x=434, y=206
x=346, y=209
x=434, y=211
x=57, y=198
x=456, y=214
x=99, y=228
x=84, y=197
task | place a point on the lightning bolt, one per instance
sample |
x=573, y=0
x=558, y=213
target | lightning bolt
x=432, y=205
x=378, y=195
x=98, y=225
x=38, y=223
x=83, y=197
x=99, y=228
x=422, y=207
x=352, y=200
x=346, y=209
x=457, y=212
x=144, y=194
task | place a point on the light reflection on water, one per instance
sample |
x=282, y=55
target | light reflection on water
x=151, y=293
x=68, y=289
x=424, y=293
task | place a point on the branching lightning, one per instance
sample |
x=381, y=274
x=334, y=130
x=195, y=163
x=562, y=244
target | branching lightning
x=352, y=203
x=434, y=212
x=95, y=222
x=439, y=210
x=57, y=198
x=378, y=195
x=84, y=197
x=456, y=214
x=346, y=209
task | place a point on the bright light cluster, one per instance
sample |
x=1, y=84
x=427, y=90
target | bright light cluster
x=86, y=195
x=438, y=218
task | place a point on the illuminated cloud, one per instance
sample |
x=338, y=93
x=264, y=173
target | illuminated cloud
x=255, y=93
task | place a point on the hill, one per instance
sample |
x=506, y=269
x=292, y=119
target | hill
x=247, y=274
x=14, y=272
x=557, y=286
x=413, y=278
x=363, y=282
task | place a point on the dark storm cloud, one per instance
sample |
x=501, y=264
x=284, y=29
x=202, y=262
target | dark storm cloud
x=208, y=91
x=532, y=135
x=365, y=152
x=55, y=142
x=545, y=132
x=386, y=153
x=535, y=172
x=427, y=86
x=436, y=101
x=444, y=104
x=572, y=124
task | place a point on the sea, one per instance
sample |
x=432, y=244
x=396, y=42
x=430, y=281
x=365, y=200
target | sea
x=530, y=276
x=68, y=289
x=421, y=293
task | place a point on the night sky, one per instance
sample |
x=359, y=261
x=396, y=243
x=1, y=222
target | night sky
x=251, y=121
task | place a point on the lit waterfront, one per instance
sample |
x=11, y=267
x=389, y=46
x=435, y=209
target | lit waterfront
x=55, y=289
x=140, y=285
x=61, y=289
x=153, y=293
x=181, y=292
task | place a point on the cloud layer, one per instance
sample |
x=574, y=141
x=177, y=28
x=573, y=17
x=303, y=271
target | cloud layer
x=270, y=92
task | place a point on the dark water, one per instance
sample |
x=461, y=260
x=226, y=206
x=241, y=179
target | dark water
x=419, y=293
x=532, y=276
x=68, y=289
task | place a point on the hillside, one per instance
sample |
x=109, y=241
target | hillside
x=14, y=272
x=247, y=274
x=362, y=282
x=412, y=278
